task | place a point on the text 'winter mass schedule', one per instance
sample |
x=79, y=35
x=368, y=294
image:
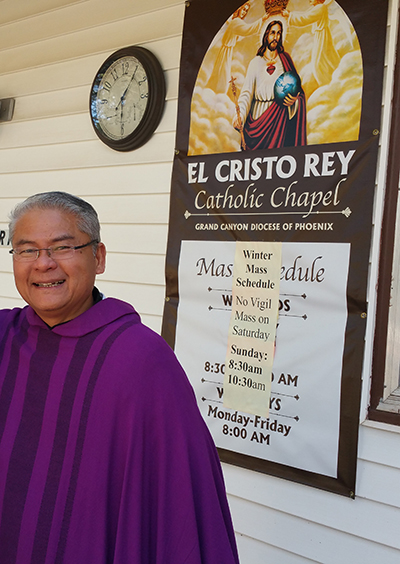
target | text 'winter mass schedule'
x=251, y=337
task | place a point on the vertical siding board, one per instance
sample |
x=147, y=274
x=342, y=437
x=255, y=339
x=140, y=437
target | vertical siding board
x=390, y=57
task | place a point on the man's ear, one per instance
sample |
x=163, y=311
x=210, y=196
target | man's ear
x=100, y=258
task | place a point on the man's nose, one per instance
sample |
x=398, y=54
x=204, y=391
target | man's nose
x=45, y=259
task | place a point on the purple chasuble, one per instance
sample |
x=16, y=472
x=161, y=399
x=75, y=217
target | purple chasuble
x=104, y=456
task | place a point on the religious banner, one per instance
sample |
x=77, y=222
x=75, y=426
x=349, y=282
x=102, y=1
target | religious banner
x=270, y=225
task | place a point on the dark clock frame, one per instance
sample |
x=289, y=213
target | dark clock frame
x=155, y=104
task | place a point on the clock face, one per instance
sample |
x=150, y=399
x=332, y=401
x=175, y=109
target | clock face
x=127, y=98
x=122, y=97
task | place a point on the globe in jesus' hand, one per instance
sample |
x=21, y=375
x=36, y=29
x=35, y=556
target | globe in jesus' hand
x=287, y=88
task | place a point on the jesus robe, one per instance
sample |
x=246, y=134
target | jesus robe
x=267, y=123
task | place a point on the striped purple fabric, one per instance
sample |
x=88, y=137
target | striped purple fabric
x=104, y=457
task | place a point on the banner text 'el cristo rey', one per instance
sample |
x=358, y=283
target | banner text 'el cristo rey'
x=270, y=222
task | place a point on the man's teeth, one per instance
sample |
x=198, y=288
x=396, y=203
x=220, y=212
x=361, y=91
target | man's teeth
x=48, y=284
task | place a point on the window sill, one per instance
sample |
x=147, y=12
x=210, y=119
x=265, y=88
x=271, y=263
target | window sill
x=391, y=403
x=387, y=411
x=381, y=426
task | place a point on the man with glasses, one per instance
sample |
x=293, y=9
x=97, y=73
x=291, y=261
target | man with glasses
x=104, y=457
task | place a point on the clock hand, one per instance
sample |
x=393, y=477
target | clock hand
x=126, y=89
x=122, y=116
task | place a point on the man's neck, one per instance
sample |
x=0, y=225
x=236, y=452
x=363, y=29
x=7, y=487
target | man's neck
x=97, y=297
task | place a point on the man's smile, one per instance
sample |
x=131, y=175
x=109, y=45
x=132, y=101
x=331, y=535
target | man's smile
x=48, y=284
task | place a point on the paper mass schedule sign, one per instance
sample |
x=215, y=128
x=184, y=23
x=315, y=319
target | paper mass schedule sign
x=252, y=329
x=302, y=429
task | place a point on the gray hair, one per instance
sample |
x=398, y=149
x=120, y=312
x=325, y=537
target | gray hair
x=87, y=218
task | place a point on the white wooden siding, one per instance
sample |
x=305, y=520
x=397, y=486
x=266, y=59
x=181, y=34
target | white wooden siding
x=318, y=526
x=50, y=51
x=48, y=59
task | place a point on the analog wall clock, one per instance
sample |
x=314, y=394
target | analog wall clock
x=127, y=98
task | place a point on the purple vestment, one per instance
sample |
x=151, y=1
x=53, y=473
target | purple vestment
x=104, y=456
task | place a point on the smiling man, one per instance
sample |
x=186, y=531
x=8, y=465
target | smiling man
x=104, y=456
x=58, y=280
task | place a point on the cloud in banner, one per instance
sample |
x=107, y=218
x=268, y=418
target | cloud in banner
x=211, y=117
x=333, y=101
x=332, y=108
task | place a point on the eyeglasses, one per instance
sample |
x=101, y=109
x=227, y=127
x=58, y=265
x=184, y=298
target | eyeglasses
x=61, y=252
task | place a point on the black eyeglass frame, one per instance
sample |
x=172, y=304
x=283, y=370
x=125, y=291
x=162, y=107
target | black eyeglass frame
x=50, y=250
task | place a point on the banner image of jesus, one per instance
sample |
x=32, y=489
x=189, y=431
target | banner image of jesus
x=268, y=123
x=323, y=111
